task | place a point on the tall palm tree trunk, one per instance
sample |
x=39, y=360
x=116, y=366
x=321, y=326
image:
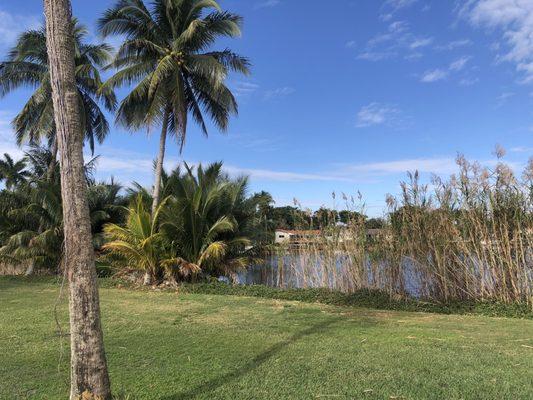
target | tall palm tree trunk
x=157, y=184
x=88, y=363
x=159, y=163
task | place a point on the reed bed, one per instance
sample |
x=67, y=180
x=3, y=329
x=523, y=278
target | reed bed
x=469, y=237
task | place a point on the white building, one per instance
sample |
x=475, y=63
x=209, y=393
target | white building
x=285, y=236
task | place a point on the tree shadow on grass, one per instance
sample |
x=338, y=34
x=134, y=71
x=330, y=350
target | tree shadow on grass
x=254, y=363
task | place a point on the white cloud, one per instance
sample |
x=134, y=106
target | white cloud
x=444, y=165
x=521, y=149
x=413, y=56
x=391, y=7
x=428, y=165
x=515, y=19
x=283, y=176
x=108, y=163
x=396, y=40
x=255, y=142
x=455, y=44
x=267, y=4
x=376, y=55
x=434, y=75
x=495, y=46
x=129, y=166
x=11, y=25
x=386, y=17
x=243, y=88
x=503, y=98
x=350, y=44
x=439, y=74
x=468, y=81
x=417, y=43
x=377, y=114
x=398, y=27
x=459, y=64
x=366, y=172
x=126, y=166
x=398, y=4
x=279, y=92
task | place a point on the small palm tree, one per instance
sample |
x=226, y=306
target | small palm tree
x=27, y=66
x=141, y=245
x=12, y=173
x=166, y=54
x=205, y=222
x=202, y=220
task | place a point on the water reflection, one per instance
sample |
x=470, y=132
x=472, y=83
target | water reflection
x=314, y=271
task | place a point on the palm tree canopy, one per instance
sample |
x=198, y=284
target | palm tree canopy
x=205, y=218
x=37, y=225
x=140, y=244
x=138, y=240
x=27, y=66
x=31, y=220
x=12, y=173
x=166, y=56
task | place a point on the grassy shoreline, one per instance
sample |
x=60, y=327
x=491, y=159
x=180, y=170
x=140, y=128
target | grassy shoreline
x=363, y=298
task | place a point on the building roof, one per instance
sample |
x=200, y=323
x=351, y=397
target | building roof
x=299, y=232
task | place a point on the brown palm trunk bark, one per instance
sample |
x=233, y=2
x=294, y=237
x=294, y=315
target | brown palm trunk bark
x=159, y=163
x=88, y=363
x=156, y=195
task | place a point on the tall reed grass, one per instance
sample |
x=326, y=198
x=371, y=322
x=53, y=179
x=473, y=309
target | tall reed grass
x=469, y=237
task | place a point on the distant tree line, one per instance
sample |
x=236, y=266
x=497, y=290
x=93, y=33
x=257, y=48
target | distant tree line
x=291, y=217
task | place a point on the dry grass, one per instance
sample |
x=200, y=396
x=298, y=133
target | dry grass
x=468, y=238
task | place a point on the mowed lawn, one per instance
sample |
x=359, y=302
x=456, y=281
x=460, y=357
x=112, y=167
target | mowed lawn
x=175, y=346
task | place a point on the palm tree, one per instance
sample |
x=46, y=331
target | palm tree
x=205, y=220
x=38, y=228
x=34, y=235
x=31, y=220
x=89, y=375
x=12, y=172
x=10, y=200
x=140, y=245
x=166, y=54
x=39, y=161
x=27, y=65
x=106, y=205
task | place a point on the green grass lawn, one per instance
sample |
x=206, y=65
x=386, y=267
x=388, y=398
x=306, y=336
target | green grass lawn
x=194, y=346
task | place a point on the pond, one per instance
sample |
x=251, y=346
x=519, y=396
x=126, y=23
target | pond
x=312, y=271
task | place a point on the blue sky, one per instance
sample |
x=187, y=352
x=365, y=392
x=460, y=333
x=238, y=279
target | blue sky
x=345, y=95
